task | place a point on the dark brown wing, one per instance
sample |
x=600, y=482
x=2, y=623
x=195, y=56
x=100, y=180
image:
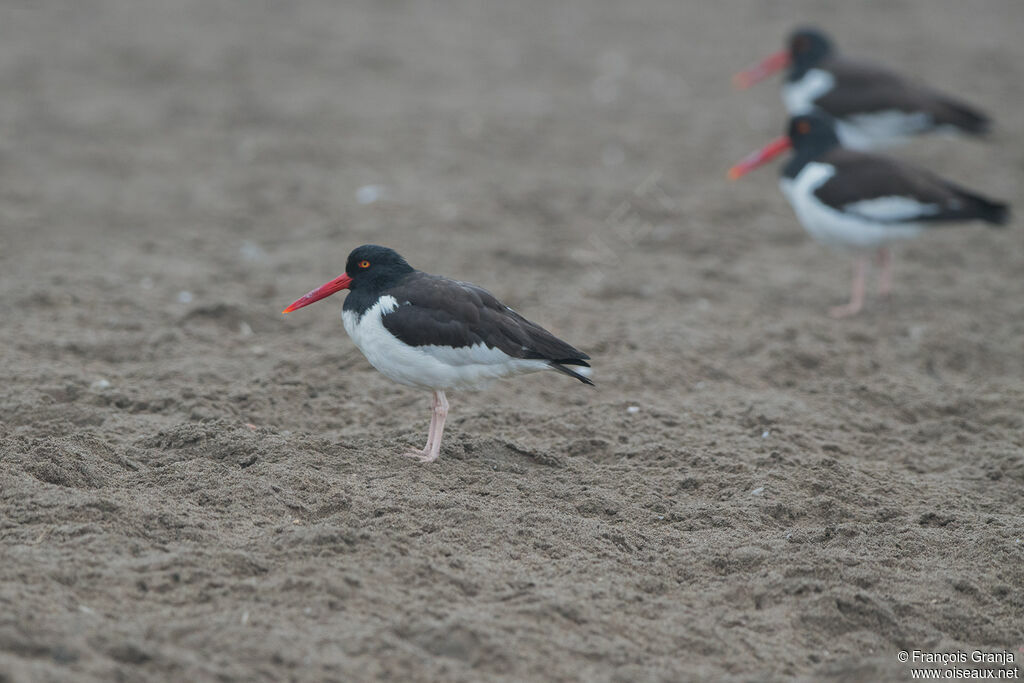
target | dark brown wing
x=434, y=310
x=863, y=177
x=863, y=88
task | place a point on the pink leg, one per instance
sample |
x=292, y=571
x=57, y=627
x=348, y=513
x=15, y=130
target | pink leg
x=860, y=270
x=440, y=413
x=433, y=449
x=885, y=272
x=430, y=432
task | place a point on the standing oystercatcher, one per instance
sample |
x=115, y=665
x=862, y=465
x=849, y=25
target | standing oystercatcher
x=872, y=106
x=857, y=202
x=430, y=332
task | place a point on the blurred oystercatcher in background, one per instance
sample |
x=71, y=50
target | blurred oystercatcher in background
x=855, y=201
x=872, y=106
x=434, y=333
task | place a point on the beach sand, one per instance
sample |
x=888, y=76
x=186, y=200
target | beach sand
x=195, y=487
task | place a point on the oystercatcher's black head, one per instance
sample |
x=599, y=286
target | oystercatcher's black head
x=807, y=47
x=809, y=135
x=814, y=132
x=375, y=268
x=370, y=269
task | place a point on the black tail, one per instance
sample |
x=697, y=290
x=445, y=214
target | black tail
x=993, y=212
x=966, y=205
x=968, y=119
x=558, y=365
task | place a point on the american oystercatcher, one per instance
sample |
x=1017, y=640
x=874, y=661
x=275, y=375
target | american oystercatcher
x=431, y=332
x=872, y=106
x=854, y=201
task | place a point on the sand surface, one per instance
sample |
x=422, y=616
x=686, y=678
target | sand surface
x=195, y=487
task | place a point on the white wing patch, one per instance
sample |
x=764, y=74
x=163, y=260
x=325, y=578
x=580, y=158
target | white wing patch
x=835, y=228
x=881, y=128
x=858, y=131
x=428, y=367
x=892, y=209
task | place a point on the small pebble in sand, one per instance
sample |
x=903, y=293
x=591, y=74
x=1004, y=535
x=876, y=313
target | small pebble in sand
x=758, y=491
x=766, y=433
x=612, y=155
x=244, y=619
x=633, y=410
x=184, y=297
x=605, y=89
x=100, y=384
x=368, y=194
x=613, y=63
x=250, y=251
x=471, y=124
x=244, y=329
x=449, y=211
x=662, y=232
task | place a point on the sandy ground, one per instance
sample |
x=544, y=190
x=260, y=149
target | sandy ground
x=195, y=487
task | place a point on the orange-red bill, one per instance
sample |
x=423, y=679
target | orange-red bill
x=761, y=70
x=761, y=156
x=323, y=291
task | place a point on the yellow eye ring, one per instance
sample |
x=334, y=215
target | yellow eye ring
x=364, y=264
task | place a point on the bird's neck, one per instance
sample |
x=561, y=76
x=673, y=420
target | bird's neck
x=805, y=155
x=364, y=294
x=359, y=301
x=800, y=67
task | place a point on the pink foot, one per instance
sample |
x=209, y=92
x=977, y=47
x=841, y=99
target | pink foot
x=421, y=456
x=860, y=270
x=433, y=448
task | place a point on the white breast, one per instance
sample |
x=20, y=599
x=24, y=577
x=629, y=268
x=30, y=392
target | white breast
x=428, y=367
x=799, y=96
x=862, y=226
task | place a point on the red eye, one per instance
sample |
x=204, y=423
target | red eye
x=803, y=127
x=364, y=264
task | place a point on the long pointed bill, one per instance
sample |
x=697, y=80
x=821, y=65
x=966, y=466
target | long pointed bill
x=761, y=156
x=761, y=70
x=321, y=292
